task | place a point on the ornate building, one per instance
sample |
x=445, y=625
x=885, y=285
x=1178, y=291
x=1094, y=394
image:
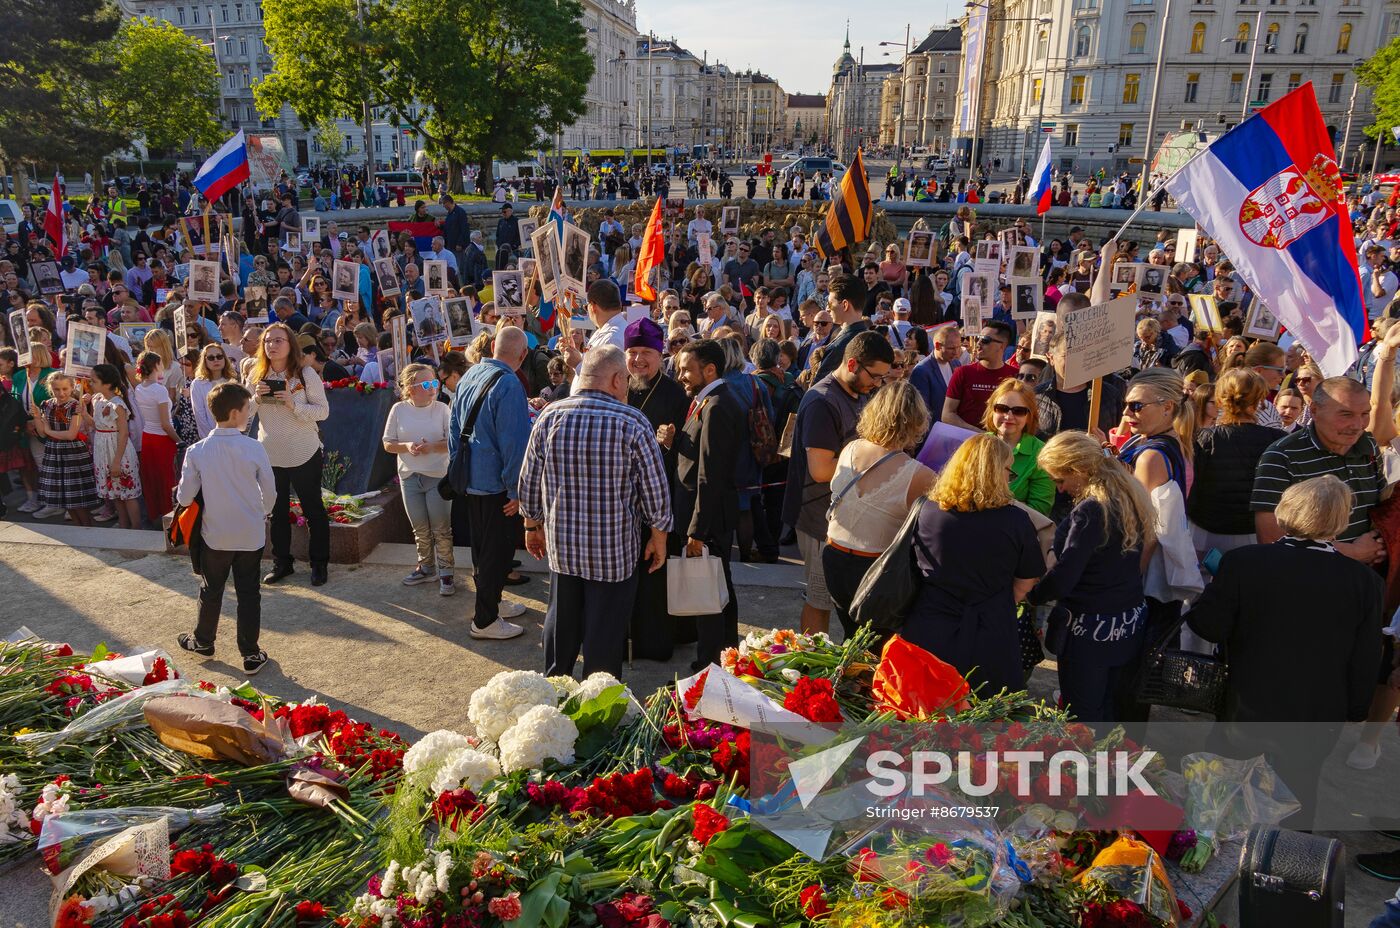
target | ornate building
x=806, y=120
x=853, y=102
x=917, y=101
x=612, y=117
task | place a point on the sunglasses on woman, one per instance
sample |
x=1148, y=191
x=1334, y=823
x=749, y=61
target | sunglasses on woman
x=1137, y=406
x=1002, y=409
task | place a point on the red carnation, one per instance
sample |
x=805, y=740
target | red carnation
x=813, y=699
x=708, y=823
x=813, y=900
x=1124, y=913
x=308, y=911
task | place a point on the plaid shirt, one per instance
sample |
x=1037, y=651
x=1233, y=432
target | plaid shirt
x=593, y=475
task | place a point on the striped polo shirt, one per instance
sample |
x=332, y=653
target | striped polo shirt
x=1300, y=456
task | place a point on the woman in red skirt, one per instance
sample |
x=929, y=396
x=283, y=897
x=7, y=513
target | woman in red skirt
x=158, y=437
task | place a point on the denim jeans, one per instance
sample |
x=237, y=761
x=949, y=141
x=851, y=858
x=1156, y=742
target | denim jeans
x=431, y=518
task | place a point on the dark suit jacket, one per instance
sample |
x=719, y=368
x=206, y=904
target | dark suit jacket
x=474, y=266
x=707, y=448
x=927, y=378
x=456, y=229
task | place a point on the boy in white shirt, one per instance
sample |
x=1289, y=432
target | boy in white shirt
x=234, y=476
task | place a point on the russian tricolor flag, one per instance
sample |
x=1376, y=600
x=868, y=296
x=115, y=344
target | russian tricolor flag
x=224, y=170
x=1270, y=193
x=1041, y=192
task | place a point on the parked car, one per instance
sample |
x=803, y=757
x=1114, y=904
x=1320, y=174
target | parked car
x=10, y=216
x=938, y=164
x=813, y=164
x=410, y=182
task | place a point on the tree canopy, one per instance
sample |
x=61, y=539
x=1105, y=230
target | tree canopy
x=164, y=86
x=479, y=79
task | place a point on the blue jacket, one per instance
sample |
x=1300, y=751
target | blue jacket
x=1390, y=918
x=743, y=387
x=927, y=378
x=501, y=431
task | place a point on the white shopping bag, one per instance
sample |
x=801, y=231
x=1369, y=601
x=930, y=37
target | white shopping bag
x=695, y=585
x=1173, y=572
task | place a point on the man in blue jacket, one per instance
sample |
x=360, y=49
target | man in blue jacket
x=496, y=445
x=931, y=375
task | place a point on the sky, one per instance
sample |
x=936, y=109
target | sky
x=795, y=41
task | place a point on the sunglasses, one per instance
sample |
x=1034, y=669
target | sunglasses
x=428, y=384
x=213, y=357
x=1002, y=409
x=1137, y=406
x=821, y=325
x=989, y=340
x=1303, y=379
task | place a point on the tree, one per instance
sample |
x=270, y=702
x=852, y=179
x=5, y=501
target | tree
x=163, y=86
x=1381, y=72
x=46, y=51
x=331, y=138
x=479, y=79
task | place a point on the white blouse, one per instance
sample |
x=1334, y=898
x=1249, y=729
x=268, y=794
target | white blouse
x=289, y=432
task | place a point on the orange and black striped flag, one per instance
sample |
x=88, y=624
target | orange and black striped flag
x=848, y=218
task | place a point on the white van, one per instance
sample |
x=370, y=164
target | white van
x=10, y=216
x=517, y=170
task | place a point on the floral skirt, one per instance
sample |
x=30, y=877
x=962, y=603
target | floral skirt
x=120, y=481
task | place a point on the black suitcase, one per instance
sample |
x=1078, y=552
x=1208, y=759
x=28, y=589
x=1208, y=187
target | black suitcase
x=1291, y=879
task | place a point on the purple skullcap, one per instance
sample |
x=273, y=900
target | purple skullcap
x=645, y=334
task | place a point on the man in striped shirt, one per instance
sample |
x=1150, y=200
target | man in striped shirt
x=592, y=478
x=1337, y=443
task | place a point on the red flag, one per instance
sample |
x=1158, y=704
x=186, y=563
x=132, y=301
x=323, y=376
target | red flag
x=652, y=251
x=53, y=222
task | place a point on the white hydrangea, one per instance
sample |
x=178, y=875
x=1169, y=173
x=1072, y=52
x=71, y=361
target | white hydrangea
x=432, y=749
x=465, y=767
x=541, y=734
x=507, y=697
x=596, y=683
x=565, y=686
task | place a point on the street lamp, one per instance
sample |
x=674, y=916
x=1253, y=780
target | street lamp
x=1044, y=87
x=1156, y=95
x=1351, y=109
x=903, y=78
x=1253, y=56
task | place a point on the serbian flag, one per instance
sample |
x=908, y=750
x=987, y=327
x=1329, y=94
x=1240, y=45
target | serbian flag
x=422, y=232
x=224, y=170
x=650, y=255
x=1270, y=193
x=1042, y=193
x=54, y=228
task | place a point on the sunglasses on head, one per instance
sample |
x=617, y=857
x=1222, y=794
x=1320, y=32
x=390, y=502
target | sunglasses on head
x=1002, y=409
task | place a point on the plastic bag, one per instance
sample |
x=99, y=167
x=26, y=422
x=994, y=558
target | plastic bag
x=126, y=711
x=133, y=668
x=67, y=836
x=1224, y=797
x=1132, y=870
x=913, y=683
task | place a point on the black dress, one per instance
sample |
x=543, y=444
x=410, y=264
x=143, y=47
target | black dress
x=965, y=612
x=654, y=633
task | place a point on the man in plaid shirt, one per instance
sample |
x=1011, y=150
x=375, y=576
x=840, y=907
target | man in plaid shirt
x=592, y=477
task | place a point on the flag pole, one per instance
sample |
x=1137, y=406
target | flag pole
x=207, y=207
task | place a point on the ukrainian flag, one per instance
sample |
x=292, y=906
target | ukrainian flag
x=848, y=218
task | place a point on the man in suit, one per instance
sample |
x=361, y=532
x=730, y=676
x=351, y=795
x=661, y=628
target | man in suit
x=664, y=402
x=931, y=375
x=473, y=264
x=707, y=500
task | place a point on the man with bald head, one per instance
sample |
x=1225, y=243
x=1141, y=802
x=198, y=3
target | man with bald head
x=592, y=485
x=490, y=425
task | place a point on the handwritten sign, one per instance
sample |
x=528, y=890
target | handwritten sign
x=1098, y=340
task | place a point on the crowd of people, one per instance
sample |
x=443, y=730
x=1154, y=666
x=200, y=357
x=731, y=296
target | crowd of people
x=769, y=399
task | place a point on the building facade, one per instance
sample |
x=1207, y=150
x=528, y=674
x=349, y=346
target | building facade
x=853, y=102
x=1095, y=62
x=611, y=117
x=684, y=102
x=917, y=101
x=805, y=120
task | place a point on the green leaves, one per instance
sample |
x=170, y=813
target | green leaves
x=596, y=718
x=165, y=87
x=1382, y=73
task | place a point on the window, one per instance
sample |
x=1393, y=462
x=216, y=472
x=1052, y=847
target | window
x=223, y=13
x=1271, y=39
x=251, y=112
x=244, y=79
x=1131, y=85
x=1344, y=39
x=1300, y=39
x=942, y=66
x=238, y=12
x=1236, y=87
x=1076, y=89
x=181, y=13
x=1334, y=91
x=1035, y=90
x=1071, y=134
x=1266, y=84
x=1081, y=42
x=1242, y=39
x=1125, y=134
x=1294, y=80
x=1137, y=38
x=243, y=45
x=228, y=46
x=1198, y=38
x=1042, y=44
x=229, y=80
x=194, y=14
x=348, y=144
x=1193, y=84
x=378, y=144
x=938, y=108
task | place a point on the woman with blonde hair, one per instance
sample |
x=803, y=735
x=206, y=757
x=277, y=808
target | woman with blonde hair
x=213, y=369
x=159, y=341
x=875, y=483
x=416, y=432
x=1012, y=415
x=291, y=400
x=976, y=556
x=1100, y=551
x=1225, y=457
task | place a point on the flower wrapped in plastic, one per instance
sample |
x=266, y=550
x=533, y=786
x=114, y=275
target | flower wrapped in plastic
x=1224, y=797
x=1129, y=869
x=66, y=837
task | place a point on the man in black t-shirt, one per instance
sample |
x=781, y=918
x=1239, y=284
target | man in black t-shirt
x=874, y=288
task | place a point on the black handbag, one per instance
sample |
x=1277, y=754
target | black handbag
x=888, y=589
x=1290, y=878
x=1181, y=679
x=459, y=468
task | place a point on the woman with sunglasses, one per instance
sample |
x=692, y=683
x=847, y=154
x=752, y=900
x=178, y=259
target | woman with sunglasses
x=1305, y=381
x=416, y=432
x=1012, y=416
x=211, y=370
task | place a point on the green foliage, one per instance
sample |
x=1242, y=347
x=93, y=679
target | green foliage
x=1381, y=72
x=164, y=86
x=480, y=79
x=332, y=140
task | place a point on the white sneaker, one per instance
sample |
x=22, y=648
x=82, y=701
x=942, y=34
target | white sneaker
x=29, y=505
x=48, y=512
x=511, y=610
x=499, y=629
x=1364, y=756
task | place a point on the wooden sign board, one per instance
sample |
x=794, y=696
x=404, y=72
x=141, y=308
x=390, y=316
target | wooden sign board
x=1098, y=340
